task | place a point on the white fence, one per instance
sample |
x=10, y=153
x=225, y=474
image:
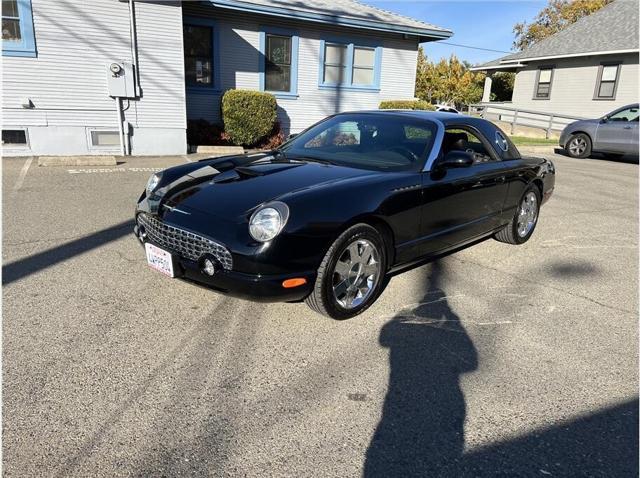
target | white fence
x=519, y=117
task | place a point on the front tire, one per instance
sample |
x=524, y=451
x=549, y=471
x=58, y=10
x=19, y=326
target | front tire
x=578, y=146
x=351, y=275
x=525, y=219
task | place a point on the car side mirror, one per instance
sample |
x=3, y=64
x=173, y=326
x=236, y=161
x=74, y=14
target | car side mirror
x=456, y=159
x=605, y=119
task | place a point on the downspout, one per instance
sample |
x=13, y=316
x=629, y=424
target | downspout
x=120, y=128
x=134, y=46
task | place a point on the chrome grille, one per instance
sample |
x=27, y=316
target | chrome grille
x=184, y=243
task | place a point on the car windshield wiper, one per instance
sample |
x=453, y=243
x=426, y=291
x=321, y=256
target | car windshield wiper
x=312, y=159
x=277, y=153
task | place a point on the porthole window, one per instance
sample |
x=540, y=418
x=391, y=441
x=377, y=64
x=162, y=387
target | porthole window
x=501, y=141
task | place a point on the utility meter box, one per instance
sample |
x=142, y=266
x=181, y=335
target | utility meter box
x=121, y=80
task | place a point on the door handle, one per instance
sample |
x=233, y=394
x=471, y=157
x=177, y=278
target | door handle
x=626, y=127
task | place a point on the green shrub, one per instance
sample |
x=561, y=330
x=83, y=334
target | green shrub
x=248, y=116
x=406, y=105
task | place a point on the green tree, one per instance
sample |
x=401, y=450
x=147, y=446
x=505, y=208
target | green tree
x=502, y=86
x=556, y=16
x=448, y=81
x=422, y=86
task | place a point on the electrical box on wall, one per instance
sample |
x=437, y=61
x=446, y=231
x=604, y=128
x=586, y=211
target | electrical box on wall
x=121, y=80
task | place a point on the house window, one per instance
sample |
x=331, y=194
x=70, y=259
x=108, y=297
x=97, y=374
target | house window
x=543, y=84
x=349, y=65
x=14, y=137
x=335, y=64
x=17, y=28
x=607, y=82
x=198, y=55
x=105, y=138
x=279, y=61
x=363, y=65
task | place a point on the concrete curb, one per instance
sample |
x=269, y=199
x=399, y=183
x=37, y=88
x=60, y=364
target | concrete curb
x=220, y=150
x=541, y=149
x=77, y=161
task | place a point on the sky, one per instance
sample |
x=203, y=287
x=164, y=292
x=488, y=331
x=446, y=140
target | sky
x=476, y=23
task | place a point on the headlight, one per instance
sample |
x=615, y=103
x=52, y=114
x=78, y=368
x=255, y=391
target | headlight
x=267, y=221
x=153, y=182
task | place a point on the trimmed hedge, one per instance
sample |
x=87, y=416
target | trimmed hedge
x=406, y=105
x=248, y=116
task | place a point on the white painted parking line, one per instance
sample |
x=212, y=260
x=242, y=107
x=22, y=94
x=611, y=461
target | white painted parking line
x=23, y=174
x=112, y=170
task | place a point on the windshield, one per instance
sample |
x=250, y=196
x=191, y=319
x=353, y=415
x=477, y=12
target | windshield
x=380, y=142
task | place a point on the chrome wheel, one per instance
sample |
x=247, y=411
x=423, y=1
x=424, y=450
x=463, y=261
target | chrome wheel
x=356, y=273
x=577, y=146
x=528, y=214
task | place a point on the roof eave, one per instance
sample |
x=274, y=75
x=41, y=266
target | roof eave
x=570, y=55
x=423, y=34
x=507, y=67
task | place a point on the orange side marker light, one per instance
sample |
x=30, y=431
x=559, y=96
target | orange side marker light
x=289, y=283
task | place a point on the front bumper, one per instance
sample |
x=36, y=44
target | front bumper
x=255, y=287
x=564, y=136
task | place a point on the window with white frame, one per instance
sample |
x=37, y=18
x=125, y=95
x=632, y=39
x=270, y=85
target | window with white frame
x=105, y=138
x=350, y=65
x=607, y=81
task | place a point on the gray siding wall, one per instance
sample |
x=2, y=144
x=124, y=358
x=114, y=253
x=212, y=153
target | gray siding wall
x=239, y=35
x=67, y=81
x=574, y=84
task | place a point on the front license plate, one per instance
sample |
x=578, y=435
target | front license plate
x=159, y=259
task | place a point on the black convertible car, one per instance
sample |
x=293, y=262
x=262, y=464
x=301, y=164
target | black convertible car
x=330, y=213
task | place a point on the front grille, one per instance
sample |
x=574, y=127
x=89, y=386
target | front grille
x=184, y=243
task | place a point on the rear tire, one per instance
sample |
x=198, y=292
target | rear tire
x=524, y=220
x=351, y=275
x=578, y=146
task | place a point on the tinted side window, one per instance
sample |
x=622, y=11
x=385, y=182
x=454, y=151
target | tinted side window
x=628, y=114
x=458, y=139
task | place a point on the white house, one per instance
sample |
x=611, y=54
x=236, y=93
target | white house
x=585, y=70
x=104, y=76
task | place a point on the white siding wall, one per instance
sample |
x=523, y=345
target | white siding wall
x=66, y=82
x=239, y=36
x=573, y=86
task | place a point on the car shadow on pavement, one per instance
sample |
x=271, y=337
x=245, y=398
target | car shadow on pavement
x=421, y=432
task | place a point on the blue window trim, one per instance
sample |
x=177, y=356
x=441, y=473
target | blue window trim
x=351, y=44
x=215, y=86
x=26, y=47
x=295, y=43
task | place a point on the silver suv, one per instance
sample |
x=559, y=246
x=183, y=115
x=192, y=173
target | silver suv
x=615, y=133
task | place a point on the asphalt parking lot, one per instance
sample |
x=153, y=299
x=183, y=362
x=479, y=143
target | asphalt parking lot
x=498, y=360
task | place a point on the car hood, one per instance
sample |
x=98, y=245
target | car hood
x=587, y=123
x=235, y=191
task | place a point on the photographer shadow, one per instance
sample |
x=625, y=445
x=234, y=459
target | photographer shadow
x=421, y=432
